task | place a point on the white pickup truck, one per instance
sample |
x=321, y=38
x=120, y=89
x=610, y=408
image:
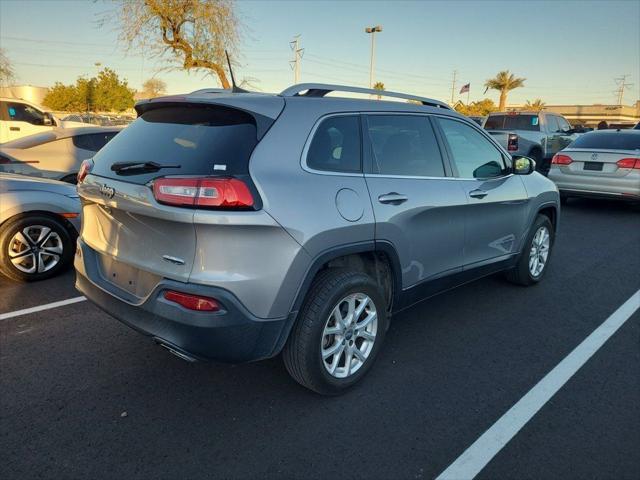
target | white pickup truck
x=19, y=118
x=538, y=135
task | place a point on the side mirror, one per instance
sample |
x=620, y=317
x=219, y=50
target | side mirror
x=523, y=165
x=47, y=121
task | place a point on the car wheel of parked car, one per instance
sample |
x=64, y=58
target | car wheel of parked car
x=338, y=333
x=34, y=247
x=536, y=253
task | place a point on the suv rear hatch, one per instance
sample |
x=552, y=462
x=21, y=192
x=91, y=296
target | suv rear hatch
x=142, y=232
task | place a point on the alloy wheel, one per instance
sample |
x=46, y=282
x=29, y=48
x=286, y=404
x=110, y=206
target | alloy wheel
x=349, y=335
x=35, y=249
x=539, y=251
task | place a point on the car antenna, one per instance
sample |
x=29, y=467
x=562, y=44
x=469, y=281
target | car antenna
x=234, y=87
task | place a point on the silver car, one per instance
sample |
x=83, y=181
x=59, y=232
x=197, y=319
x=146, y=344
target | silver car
x=603, y=163
x=56, y=154
x=39, y=223
x=235, y=226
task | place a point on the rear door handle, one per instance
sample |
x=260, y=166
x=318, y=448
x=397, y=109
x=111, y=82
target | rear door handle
x=477, y=193
x=14, y=129
x=393, y=198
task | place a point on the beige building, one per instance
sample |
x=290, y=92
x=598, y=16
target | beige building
x=25, y=92
x=591, y=115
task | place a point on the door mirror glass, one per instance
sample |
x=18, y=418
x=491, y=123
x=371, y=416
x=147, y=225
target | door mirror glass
x=523, y=165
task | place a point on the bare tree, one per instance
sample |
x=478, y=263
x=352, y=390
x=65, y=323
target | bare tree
x=195, y=32
x=7, y=74
x=154, y=87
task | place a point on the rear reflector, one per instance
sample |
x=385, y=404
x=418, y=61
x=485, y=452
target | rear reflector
x=192, y=302
x=205, y=192
x=629, y=163
x=561, y=159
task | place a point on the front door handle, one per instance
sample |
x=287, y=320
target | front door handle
x=477, y=193
x=393, y=198
x=14, y=129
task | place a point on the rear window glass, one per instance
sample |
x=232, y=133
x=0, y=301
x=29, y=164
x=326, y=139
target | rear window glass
x=513, y=122
x=201, y=140
x=608, y=141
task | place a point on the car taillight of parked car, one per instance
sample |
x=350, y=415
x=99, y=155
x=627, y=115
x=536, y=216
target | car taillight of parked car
x=204, y=192
x=561, y=159
x=512, y=142
x=85, y=169
x=629, y=163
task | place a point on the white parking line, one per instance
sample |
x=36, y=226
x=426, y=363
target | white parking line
x=39, y=308
x=478, y=455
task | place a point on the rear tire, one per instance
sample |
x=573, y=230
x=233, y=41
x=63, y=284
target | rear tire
x=307, y=355
x=536, y=253
x=35, y=247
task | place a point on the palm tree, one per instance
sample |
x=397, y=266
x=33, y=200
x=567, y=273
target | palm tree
x=504, y=82
x=536, y=106
x=379, y=86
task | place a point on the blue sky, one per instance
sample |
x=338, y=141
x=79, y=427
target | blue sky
x=569, y=51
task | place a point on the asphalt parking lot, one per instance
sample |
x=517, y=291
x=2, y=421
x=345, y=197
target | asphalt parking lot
x=451, y=367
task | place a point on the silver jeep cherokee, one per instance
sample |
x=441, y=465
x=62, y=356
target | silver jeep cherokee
x=234, y=226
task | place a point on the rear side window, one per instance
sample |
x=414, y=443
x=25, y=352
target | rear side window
x=193, y=140
x=93, y=141
x=608, y=141
x=404, y=145
x=513, y=122
x=335, y=146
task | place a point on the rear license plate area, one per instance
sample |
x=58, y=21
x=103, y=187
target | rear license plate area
x=126, y=277
x=593, y=166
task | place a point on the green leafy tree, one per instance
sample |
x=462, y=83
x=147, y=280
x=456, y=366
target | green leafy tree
x=536, y=106
x=504, y=82
x=106, y=92
x=481, y=108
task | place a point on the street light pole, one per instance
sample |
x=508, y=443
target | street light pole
x=372, y=31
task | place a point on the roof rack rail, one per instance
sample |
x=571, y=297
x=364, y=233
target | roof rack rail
x=322, y=89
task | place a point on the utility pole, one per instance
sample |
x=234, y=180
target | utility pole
x=372, y=31
x=453, y=86
x=622, y=84
x=297, y=56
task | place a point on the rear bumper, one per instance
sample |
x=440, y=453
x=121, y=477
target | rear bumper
x=232, y=335
x=626, y=187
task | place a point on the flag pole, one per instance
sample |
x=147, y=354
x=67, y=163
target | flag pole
x=468, y=91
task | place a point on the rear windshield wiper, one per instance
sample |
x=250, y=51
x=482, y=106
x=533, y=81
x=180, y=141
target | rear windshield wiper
x=135, y=168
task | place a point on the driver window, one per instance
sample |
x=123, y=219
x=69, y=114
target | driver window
x=552, y=124
x=19, y=112
x=473, y=155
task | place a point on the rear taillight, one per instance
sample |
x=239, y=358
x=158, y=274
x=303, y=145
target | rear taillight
x=204, y=192
x=192, y=302
x=629, y=163
x=512, y=142
x=561, y=159
x=85, y=169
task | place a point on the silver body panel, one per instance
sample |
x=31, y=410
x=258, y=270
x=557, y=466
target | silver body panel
x=263, y=257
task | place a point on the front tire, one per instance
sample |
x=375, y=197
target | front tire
x=536, y=253
x=338, y=333
x=35, y=247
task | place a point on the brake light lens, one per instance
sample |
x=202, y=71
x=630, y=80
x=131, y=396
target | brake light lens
x=512, y=142
x=192, y=302
x=629, y=163
x=559, y=159
x=85, y=169
x=229, y=193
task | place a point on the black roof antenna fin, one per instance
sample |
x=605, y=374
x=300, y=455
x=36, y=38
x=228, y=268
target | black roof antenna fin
x=234, y=87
